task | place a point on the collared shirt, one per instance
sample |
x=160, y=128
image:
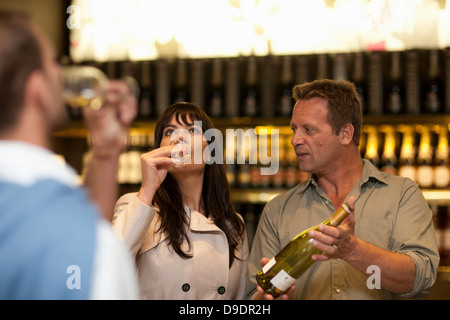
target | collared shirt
x=390, y=213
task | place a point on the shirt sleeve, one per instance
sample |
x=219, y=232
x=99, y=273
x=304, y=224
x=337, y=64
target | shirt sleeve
x=418, y=240
x=114, y=276
x=265, y=245
x=131, y=221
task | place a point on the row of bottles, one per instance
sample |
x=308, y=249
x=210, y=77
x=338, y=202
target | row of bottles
x=441, y=216
x=403, y=82
x=242, y=172
x=420, y=152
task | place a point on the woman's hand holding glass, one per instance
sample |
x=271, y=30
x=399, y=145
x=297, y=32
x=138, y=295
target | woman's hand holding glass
x=155, y=165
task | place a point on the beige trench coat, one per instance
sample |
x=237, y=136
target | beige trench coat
x=162, y=273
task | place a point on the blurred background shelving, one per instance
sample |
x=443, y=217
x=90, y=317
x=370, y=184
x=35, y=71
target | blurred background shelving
x=396, y=52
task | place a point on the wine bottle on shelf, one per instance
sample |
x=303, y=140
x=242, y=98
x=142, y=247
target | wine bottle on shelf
x=278, y=177
x=286, y=85
x=407, y=160
x=162, y=84
x=340, y=71
x=447, y=80
x=375, y=84
x=302, y=69
x=433, y=86
x=322, y=66
x=111, y=69
x=264, y=147
x=255, y=170
x=126, y=69
x=266, y=86
x=250, y=92
x=412, y=82
x=197, y=81
x=425, y=158
x=444, y=234
x=395, y=85
x=388, y=157
x=372, y=146
x=243, y=152
x=295, y=258
x=146, y=96
x=441, y=162
x=181, y=85
x=230, y=162
x=292, y=169
x=359, y=79
x=216, y=91
x=232, y=88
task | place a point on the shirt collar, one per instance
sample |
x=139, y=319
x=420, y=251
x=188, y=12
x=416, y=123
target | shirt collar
x=369, y=172
x=198, y=222
x=24, y=164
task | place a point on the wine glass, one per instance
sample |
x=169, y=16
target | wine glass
x=85, y=86
x=181, y=153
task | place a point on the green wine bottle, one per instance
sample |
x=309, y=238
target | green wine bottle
x=295, y=258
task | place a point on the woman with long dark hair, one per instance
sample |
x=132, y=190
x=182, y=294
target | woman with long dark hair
x=188, y=241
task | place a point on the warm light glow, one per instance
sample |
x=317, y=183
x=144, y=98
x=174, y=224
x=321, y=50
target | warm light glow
x=442, y=147
x=407, y=150
x=389, y=142
x=152, y=29
x=425, y=143
x=372, y=143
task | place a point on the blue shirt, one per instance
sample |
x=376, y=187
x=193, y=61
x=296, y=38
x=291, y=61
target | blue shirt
x=53, y=242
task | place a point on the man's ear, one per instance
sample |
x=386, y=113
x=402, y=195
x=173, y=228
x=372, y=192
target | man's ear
x=36, y=91
x=346, y=134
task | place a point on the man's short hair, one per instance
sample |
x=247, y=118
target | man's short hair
x=20, y=55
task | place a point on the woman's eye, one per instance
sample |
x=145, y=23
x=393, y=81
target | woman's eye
x=195, y=130
x=168, y=132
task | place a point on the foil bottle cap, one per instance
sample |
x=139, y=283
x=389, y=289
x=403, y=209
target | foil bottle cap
x=340, y=214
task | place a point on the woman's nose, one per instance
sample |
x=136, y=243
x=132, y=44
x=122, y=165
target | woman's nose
x=180, y=136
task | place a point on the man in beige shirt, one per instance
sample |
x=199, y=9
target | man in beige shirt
x=387, y=248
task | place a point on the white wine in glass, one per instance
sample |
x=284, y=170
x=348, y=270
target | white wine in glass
x=85, y=86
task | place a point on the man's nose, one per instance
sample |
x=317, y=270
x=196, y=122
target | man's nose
x=297, y=139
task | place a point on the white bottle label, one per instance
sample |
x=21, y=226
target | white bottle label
x=282, y=280
x=408, y=172
x=441, y=176
x=425, y=176
x=269, y=265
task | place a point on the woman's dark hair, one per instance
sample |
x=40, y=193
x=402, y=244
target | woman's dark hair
x=215, y=191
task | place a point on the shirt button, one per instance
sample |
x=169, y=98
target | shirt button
x=338, y=290
x=186, y=287
x=221, y=290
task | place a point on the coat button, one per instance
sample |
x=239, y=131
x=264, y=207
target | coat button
x=221, y=290
x=186, y=287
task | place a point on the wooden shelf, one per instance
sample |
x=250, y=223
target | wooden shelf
x=77, y=129
x=438, y=197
